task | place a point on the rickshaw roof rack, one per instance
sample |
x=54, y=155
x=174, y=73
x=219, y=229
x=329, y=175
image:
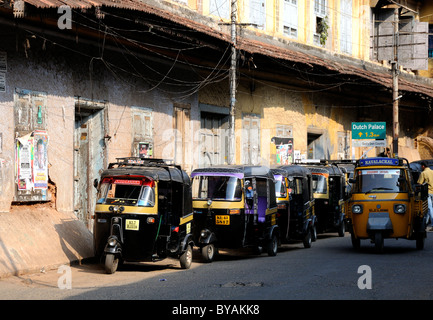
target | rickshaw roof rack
x=246, y=170
x=343, y=161
x=311, y=161
x=290, y=170
x=157, y=169
x=147, y=162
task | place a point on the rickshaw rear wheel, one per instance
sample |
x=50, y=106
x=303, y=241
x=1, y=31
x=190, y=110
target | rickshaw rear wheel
x=378, y=242
x=186, y=258
x=111, y=263
x=208, y=252
x=307, y=239
x=272, y=247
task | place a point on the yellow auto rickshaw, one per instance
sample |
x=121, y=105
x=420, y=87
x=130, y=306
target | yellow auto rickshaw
x=234, y=207
x=143, y=213
x=386, y=203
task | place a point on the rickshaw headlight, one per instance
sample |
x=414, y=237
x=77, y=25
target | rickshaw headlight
x=357, y=208
x=399, y=208
x=204, y=234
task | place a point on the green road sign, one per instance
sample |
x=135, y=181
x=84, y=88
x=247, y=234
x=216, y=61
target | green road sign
x=368, y=130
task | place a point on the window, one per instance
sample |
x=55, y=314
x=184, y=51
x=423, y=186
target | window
x=127, y=192
x=3, y=68
x=224, y=188
x=280, y=186
x=257, y=13
x=320, y=19
x=251, y=139
x=384, y=180
x=320, y=184
x=346, y=26
x=320, y=7
x=220, y=8
x=142, y=132
x=290, y=18
x=430, y=40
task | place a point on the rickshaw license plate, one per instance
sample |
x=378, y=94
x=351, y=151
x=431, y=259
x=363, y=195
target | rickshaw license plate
x=132, y=224
x=222, y=220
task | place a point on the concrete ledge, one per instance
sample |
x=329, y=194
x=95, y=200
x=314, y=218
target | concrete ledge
x=37, y=237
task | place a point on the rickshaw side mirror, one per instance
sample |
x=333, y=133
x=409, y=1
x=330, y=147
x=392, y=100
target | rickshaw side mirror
x=351, y=180
x=95, y=183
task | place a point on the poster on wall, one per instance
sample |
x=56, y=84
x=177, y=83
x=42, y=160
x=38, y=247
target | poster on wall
x=145, y=150
x=284, y=150
x=24, y=162
x=40, y=160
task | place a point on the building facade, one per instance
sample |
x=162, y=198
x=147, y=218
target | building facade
x=86, y=83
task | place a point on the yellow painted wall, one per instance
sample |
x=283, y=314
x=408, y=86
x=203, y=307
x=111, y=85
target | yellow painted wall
x=426, y=15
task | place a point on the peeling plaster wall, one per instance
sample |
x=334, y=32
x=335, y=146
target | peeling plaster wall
x=64, y=78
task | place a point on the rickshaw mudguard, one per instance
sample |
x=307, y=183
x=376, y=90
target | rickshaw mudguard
x=117, y=249
x=209, y=239
x=271, y=231
x=187, y=241
x=379, y=221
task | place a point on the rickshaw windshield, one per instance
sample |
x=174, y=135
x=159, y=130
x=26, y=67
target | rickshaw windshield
x=127, y=192
x=380, y=180
x=280, y=187
x=216, y=188
x=319, y=184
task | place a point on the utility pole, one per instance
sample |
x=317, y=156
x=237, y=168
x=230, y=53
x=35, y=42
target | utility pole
x=395, y=97
x=232, y=138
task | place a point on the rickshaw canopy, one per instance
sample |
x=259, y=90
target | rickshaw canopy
x=156, y=169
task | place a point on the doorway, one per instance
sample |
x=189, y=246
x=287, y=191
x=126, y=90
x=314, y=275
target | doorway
x=89, y=155
x=317, y=147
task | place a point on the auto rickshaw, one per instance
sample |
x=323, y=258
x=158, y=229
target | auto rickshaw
x=348, y=169
x=234, y=207
x=329, y=191
x=386, y=203
x=143, y=213
x=415, y=167
x=295, y=201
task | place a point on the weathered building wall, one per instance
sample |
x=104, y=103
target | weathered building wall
x=63, y=79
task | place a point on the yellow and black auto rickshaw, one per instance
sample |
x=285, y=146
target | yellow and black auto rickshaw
x=234, y=207
x=294, y=191
x=143, y=213
x=329, y=191
x=386, y=203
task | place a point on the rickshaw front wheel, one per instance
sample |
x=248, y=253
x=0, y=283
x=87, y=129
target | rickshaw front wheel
x=111, y=263
x=208, y=252
x=186, y=258
x=378, y=241
x=307, y=239
x=272, y=248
